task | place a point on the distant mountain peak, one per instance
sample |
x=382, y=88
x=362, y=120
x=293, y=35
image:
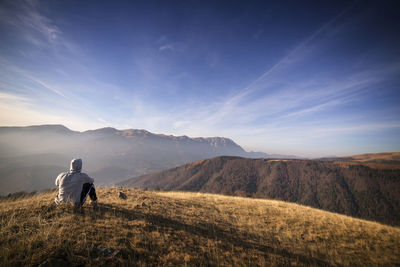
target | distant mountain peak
x=49, y=126
x=43, y=127
x=105, y=130
x=133, y=132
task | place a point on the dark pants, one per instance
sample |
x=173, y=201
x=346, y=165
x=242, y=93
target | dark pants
x=88, y=189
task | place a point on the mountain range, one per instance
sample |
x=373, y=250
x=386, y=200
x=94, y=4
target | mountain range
x=31, y=157
x=365, y=186
x=344, y=186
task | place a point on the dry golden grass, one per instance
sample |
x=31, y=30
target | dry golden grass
x=170, y=228
x=387, y=160
x=381, y=166
x=376, y=156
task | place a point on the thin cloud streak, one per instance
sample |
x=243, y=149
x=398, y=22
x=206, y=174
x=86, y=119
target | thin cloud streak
x=293, y=54
x=12, y=97
x=21, y=111
x=236, y=106
x=25, y=14
x=334, y=94
x=23, y=73
x=166, y=47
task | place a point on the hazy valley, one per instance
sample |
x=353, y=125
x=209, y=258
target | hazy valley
x=31, y=157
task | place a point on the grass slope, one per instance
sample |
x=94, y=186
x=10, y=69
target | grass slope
x=169, y=228
x=388, y=160
x=375, y=157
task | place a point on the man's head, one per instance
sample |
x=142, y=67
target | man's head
x=76, y=165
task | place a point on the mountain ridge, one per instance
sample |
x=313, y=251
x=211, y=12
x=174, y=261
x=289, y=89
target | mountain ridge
x=129, y=133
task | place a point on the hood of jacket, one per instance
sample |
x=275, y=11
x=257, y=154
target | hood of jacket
x=76, y=165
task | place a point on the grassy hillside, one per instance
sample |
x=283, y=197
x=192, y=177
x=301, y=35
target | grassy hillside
x=169, y=228
x=355, y=190
x=376, y=157
x=388, y=160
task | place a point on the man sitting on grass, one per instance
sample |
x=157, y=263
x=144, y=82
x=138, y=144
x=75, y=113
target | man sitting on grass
x=74, y=186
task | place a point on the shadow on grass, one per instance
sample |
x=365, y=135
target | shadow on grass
x=206, y=230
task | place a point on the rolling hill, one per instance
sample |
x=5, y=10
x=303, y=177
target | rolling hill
x=389, y=160
x=187, y=229
x=354, y=189
x=387, y=157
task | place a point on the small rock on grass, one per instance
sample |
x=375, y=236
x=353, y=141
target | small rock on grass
x=122, y=195
x=54, y=263
x=108, y=252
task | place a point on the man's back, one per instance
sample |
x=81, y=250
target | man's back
x=70, y=183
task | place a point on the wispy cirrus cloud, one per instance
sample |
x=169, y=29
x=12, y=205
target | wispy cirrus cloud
x=167, y=47
x=25, y=15
x=29, y=77
x=291, y=100
x=17, y=110
x=5, y=97
x=299, y=52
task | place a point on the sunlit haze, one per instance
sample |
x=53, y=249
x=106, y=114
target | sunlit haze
x=306, y=78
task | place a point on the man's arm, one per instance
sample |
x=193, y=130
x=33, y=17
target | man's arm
x=87, y=179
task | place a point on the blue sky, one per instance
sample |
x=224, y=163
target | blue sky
x=309, y=78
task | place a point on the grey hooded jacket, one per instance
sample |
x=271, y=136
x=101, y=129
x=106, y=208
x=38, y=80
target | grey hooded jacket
x=70, y=183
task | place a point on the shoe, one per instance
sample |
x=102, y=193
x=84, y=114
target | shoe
x=93, y=203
